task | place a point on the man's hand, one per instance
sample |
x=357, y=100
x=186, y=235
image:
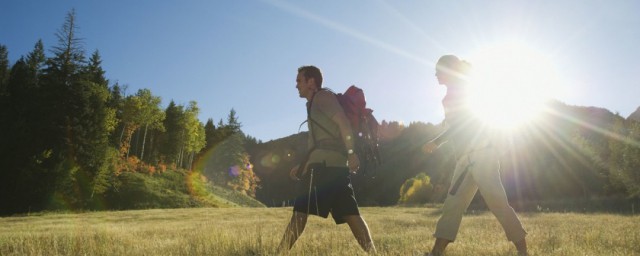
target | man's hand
x=294, y=173
x=353, y=162
x=429, y=147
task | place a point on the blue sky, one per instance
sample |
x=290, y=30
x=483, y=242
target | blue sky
x=244, y=54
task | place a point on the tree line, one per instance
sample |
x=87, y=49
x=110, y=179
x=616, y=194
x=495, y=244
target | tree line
x=571, y=158
x=68, y=135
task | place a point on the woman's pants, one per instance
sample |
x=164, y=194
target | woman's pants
x=478, y=170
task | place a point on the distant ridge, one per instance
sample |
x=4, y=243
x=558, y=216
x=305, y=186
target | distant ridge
x=635, y=115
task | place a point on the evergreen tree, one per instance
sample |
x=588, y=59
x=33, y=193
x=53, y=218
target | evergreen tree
x=99, y=121
x=210, y=134
x=26, y=149
x=36, y=59
x=171, y=141
x=94, y=70
x=4, y=68
x=77, y=118
x=68, y=56
x=61, y=72
x=116, y=103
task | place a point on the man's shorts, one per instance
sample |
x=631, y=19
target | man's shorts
x=326, y=189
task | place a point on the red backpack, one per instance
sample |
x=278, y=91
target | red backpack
x=364, y=126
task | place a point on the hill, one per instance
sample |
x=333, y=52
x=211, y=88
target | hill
x=635, y=115
x=565, y=154
x=171, y=189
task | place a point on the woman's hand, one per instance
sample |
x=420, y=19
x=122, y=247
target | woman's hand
x=429, y=147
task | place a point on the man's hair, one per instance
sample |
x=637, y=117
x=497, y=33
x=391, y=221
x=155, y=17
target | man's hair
x=312, y=72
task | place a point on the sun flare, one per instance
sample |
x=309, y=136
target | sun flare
x=510, y=84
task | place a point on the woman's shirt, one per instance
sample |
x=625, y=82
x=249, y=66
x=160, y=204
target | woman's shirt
x=463, y=129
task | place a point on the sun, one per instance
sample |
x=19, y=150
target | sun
x=510, y=84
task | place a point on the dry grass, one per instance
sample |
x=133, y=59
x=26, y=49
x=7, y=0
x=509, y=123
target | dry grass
x=257, y=231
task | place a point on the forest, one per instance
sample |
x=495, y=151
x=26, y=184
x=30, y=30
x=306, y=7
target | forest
x=72, y=140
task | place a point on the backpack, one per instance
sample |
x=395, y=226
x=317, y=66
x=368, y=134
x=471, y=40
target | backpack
x=364, y=126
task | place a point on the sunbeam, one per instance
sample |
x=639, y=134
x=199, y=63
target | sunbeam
x=344, y=30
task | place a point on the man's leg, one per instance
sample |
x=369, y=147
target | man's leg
x=361, y=232
x=293, y=231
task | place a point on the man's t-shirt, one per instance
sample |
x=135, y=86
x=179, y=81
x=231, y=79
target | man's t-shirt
x=330, y=147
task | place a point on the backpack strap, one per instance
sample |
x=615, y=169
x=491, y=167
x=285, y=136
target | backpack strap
x=308, y=155
x=335, y=144
x=317, y=123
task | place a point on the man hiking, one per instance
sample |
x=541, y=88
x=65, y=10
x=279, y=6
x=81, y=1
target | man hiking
x=324, y=175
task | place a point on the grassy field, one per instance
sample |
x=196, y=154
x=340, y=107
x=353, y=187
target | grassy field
x=257, y=231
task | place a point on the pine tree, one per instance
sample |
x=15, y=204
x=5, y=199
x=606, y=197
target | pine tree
x=116, y=103
x=4, y=68
x=94, y=70
x=36, y=59
x=210, y=134
x=26, y=179
x=79, y=120
x=98, y=121
x=171, y=140
x=68, y=56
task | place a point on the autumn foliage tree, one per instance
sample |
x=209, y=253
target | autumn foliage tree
x=416, y=190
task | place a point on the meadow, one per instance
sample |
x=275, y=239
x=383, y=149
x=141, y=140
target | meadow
x=257, y=231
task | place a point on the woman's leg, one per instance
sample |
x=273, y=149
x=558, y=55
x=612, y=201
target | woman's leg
x=487, y=176
x=454, y=206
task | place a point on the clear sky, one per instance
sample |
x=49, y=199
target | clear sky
x=245, y=54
